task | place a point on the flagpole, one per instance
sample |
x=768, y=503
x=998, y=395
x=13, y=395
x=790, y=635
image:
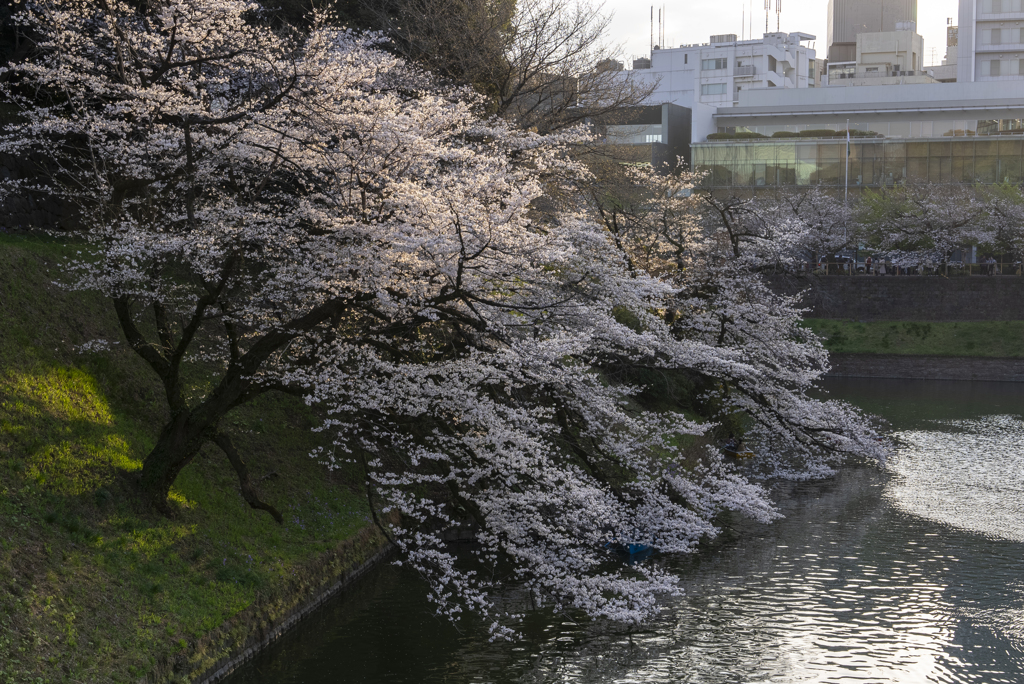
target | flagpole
x=846, y=189
x=846, y=192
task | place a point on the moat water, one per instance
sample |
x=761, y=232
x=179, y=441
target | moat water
x=909, y=573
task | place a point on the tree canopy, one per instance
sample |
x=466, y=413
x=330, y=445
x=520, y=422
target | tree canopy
x=312, y=215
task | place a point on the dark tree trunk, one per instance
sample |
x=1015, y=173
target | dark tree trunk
x=179, y=442
x=190, y=428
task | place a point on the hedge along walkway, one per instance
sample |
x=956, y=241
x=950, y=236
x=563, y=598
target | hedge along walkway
x=93, y=589
x=982, y=339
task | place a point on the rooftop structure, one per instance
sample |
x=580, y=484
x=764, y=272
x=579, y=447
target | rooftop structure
x=849, y=18
x=947, y=71
x=889, y=58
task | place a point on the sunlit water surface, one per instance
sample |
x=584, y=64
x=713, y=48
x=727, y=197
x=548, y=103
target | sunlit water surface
x=908, y=574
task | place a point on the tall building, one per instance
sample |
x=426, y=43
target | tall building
x=990, y=40
x=849, y=18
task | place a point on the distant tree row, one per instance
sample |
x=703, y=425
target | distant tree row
x=910, y=225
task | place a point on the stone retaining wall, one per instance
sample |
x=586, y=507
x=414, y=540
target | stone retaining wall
x=926, y=367
x=265, y=635
x=908, y=298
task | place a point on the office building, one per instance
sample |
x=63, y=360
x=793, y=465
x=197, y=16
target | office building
x=658, y=135
x=707, y=77
x=990, y=41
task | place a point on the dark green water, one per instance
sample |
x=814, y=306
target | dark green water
x=911, y=573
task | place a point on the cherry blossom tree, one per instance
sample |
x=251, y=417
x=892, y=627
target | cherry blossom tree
x=311, y=215
x=825, y=220
x=714, y=251
x=926, y=223
x=1004, y=220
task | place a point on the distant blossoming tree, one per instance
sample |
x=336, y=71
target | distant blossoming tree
x=316, y=217
x=713, y=251
x=924, y=223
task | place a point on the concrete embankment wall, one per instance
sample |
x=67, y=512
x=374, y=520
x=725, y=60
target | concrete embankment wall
x=908, y=298
x=914, y=298
x=263, y=630
x=926, y=367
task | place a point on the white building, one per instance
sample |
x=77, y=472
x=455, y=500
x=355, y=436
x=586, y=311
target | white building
x=714, y=74
x=990, y=40
x=707, y=77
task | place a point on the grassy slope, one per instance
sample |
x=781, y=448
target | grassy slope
x=92, y=589
x=999, y=339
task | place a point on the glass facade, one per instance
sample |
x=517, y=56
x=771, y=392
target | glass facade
x=873, y=162
x=634, y=134
x=897, y=129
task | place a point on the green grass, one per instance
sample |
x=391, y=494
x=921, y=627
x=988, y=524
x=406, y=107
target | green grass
x=94, y=588
x=999, y=339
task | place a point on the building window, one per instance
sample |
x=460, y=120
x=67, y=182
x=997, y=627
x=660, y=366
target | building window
x=994, y=68
x=1000, y=6
x=713, y=89
x=654, y=138
x=1000, y=36
x=714, y=64
x=686, y=58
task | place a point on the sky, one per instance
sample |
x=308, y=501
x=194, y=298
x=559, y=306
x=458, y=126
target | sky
x=695, y=21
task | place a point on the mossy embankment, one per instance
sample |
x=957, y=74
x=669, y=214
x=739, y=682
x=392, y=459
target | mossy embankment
x=94, y=588
x=965, y=339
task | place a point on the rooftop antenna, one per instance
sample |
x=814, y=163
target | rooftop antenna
x=652, y=30
x=778, y=14
x=661, y=26
x=743, y=24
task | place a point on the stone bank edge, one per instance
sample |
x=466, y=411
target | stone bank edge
x=263, y=635
x=905, y=367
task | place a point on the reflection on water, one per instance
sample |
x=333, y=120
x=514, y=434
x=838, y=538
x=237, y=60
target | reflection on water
x=965, y=473
x=906, y=575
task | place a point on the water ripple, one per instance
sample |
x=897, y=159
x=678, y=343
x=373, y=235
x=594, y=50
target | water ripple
x=904, y=576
